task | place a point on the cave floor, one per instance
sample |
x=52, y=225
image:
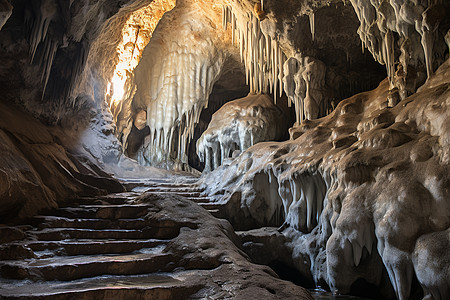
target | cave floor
x=152, y=242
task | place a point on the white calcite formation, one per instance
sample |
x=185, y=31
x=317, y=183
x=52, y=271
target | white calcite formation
x=268, y=69
x=238, y=125
x=360, y=191
x=135, y=35
x=259, y=51
x=174, y=80
x=304, y=84
x=411, y=24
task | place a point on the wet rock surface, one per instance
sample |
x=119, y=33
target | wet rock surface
x=155, y=245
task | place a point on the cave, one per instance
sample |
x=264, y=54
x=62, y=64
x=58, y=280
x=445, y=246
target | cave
x=231, y=149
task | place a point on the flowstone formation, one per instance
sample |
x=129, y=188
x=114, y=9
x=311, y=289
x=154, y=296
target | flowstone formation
x=173, y=82
x=135, y=34
x=178, y=91
x=238, y=125
x=362, y=194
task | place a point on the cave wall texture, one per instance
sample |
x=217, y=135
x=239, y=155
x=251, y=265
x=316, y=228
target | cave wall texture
x=361, y=189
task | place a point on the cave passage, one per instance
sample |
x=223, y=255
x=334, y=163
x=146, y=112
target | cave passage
x=200, y=149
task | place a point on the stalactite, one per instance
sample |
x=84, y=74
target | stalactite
x=46, y=13
x=260, y=54
x=381, y=23
x=233, y=28
x=312, y=25
x=304, y=84
x=274, y=69
x=50, y=48
x=281, y=60
x=389, y=56
x=224, y=17
x=427, y=44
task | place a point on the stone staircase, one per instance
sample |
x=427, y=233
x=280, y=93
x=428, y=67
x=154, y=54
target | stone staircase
x=188, y=190
x=99, y=247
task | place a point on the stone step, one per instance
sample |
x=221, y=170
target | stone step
x=62, y=222
x=76, y=267
x=92, y=246
x=191, y=189
x=55, y=234
x=108, y=199
x=162, y=184
x=199, y=199
x=151, y=286
x=15, y=251
x=210, y=206
x=111, y=211
x=99, y=224
x=183, y=194
x=8, y=234
x=216, y=213
x=131, y=186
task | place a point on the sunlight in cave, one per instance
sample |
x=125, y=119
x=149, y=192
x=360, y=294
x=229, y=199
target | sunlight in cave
x=136, y=34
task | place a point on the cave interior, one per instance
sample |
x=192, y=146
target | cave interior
x=230, y=149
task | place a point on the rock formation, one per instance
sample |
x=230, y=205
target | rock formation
x=94, y=91
x=238, y=125
x=357, y=191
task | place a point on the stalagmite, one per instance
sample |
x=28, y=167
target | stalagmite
x=250, y=120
